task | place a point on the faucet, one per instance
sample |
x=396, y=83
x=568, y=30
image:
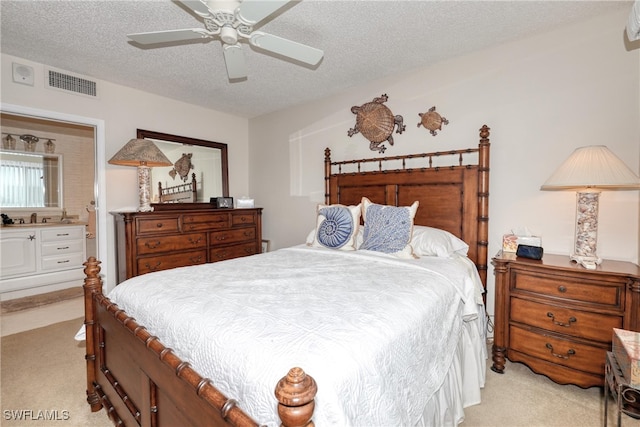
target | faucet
x=34, y=218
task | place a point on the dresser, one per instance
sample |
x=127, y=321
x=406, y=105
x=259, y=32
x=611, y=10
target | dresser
x=159, y=240
x=558, y=317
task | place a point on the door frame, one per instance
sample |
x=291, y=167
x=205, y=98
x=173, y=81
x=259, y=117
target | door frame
x=100, y=190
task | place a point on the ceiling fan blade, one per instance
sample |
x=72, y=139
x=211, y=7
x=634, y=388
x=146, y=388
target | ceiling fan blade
x=169, y=36
x=234, y=58
x=294, y=50
x=253, y=11
x=197, y=6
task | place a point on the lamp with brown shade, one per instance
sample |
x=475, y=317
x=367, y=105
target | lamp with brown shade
x=143, y=154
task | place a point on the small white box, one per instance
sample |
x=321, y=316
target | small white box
x=244, y=202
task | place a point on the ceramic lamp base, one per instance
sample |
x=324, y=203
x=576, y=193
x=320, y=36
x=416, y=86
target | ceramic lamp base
x=586, y=229
x=144, y=189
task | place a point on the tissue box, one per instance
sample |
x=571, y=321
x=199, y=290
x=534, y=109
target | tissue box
x=510, y=242
x=626, y=350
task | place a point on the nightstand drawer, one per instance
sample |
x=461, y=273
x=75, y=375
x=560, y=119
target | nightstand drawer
x=559, y=351
x=584, y=324
x=157, y=225
x=232, y=236
x=181, y=242
x=571, y=288
x=164, y=262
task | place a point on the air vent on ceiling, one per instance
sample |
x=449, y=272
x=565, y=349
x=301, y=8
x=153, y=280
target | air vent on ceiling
x=70, y=83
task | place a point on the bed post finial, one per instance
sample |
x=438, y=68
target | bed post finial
x=295, y=394
x=92, y=284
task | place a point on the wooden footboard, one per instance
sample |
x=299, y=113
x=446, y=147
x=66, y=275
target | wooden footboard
x=141, y=382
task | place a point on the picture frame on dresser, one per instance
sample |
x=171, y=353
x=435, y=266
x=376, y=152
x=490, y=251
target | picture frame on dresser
x=557, y=317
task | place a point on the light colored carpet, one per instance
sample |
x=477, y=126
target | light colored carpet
x=44, y=370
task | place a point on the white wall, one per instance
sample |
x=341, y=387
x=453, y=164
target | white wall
x=542, y=97
x=123, y=110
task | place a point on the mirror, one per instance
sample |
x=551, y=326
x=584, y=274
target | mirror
x=30, y=180
x=206, y=159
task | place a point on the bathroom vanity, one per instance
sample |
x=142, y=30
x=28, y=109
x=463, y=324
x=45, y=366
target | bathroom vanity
x=40, y=258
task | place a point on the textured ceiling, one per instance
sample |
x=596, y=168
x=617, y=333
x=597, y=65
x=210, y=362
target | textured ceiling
x=362, y=40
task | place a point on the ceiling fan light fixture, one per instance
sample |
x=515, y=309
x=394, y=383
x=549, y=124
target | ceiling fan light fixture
x=229, y=35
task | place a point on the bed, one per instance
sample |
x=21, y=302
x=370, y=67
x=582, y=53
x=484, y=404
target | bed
x=181, y=193
x=276, y=331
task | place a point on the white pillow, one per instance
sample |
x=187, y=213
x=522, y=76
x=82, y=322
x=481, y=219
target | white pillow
x=336, y=227
x=429, y=241
x=388, y=229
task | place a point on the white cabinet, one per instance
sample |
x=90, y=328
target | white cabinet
x=17, y=252
x=47, y=257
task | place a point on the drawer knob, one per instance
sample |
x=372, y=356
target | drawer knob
x=221, y=237
x=555, y=322
x=562, y=289
x=159, y=225
x=570, y=352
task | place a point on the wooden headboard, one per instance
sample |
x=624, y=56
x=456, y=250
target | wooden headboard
x=181, y=193
x=453, y=194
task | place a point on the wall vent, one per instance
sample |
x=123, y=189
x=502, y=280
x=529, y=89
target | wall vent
x=66, y=82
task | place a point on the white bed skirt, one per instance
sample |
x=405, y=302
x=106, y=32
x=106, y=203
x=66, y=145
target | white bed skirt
x=464, y=380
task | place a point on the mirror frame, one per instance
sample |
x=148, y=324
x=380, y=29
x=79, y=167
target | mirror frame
x=142, y=133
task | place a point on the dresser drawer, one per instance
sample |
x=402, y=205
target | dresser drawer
x=570, y=288
x=233, y=236
x=578, y=323
x=558, y=350
x=157, y=225
x=244, y=218
x=64, y=262
x=61, y=234
x=60, y=248
x=235, y=251
x=180, y=242
x=193, y=222
x=164, y=262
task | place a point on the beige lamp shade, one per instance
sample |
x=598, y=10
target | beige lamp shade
x=588, y=171
x=594, y=167
x=139, y=152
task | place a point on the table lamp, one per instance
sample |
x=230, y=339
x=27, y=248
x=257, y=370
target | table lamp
x=144, y=154
x=588, y=171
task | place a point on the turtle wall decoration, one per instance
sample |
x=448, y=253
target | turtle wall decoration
x=432, y=121
x=376, y=122
x=182, y=167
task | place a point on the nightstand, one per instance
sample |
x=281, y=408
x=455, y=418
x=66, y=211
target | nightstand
x=558, y=317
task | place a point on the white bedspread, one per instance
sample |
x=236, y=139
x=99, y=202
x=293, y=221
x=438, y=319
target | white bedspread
x=377, y=333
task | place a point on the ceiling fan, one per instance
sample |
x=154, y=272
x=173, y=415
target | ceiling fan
x=232, y=21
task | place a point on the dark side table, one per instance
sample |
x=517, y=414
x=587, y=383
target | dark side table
x=627, y=397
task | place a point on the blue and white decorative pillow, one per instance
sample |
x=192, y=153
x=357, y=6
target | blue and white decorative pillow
x=337, y=227
x=388, y=229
